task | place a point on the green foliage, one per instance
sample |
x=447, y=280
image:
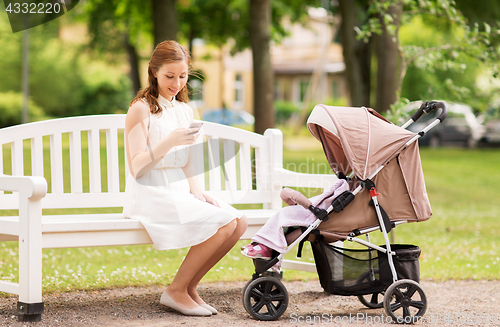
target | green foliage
x=449, y=75
x=284, y=111
x=104, y=93
x=477, y=12
x=53, y=72
x=396, y=113
x=11, y=104
x=55, y=77
x=443, y=53
x=220, y=21
x=62, y=81
x=111, y=21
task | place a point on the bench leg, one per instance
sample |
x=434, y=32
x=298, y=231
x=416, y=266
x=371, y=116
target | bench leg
x=29, y=312
x=30, y=305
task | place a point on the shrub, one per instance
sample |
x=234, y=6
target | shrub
x=105, y=97
x=284, y=111
x=11, y=104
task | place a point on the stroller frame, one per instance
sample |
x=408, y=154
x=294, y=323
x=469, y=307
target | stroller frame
x=265, y=287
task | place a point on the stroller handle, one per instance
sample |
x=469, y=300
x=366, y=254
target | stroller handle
x=428, y=107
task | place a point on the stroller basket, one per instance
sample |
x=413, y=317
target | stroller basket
x=405, y=263
x=365, y=271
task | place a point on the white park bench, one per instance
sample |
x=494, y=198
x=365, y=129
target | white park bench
x=79, y=162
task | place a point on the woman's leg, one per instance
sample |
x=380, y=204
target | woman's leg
x=196, y=258
x=241, y=227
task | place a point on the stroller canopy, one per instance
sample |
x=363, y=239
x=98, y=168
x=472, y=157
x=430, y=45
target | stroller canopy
x=361, y=140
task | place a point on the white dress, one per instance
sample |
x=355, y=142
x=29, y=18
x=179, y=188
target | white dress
x=161, y=198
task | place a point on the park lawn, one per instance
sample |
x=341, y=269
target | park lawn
x=460, y=241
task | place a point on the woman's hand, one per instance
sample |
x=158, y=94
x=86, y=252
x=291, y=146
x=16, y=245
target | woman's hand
x=206, y=198
x=183, y=136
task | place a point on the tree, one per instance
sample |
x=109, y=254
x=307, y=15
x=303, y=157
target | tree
x=164, y=20
x=479, y=12
x=389, y=57
x=260, y=39
x=114, y=28
x=112, y=20
x=357, y=54
x=481, y=45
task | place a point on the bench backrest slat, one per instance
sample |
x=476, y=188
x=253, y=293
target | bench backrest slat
x=246, y=166
x=1, y=163
x=94, y=161
x=56, y=163
x=199, y=152
x=214, y=164
x=84, y=161
x=17, y=158
x=37, y=156
x=230, y=165
x=113, y=167
x=75, y=154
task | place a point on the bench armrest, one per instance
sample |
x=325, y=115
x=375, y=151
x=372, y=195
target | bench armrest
x=31, y=187
x=285, y=177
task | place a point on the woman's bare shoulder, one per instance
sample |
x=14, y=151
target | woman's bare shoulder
x=138, y=112
x=138, y=109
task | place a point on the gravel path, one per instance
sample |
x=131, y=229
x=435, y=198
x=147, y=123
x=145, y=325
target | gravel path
x=450, y=303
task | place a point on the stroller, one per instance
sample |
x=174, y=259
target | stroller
x=381, y=163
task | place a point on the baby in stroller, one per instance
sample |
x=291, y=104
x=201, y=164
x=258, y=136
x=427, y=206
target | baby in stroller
x=273, y=235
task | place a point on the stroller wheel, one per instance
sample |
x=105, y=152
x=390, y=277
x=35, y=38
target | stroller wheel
x=405, y=301
x=265, y=298
x=375, y=300
x=246, y=285
x=372, y=301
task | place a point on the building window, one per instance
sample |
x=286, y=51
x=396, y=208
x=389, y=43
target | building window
x=304, y=84
x=335, y=89
x=300, y=86
x=239, y=88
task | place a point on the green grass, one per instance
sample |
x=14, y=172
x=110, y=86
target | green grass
x=460, y=241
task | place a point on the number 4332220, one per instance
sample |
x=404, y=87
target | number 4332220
x=34, y=8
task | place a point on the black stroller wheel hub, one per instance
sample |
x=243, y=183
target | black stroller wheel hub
x=265, y=298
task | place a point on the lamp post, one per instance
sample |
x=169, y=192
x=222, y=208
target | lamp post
x=25, y=73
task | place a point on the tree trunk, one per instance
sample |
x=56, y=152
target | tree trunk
x=357, y=56
x=133, y=60
x=164, y=20
x=388, y=63
x=263, y=76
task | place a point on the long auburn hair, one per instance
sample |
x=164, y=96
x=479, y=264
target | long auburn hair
x=165, y=52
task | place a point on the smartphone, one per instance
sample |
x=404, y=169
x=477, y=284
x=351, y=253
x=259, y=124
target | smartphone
x=195, y=125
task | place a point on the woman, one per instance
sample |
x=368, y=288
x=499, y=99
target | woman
x=162, y=187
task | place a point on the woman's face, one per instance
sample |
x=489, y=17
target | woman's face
x=172, y=77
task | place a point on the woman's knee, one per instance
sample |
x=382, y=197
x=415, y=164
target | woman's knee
x=242, y=224
x=237, y=227
x=229, y=228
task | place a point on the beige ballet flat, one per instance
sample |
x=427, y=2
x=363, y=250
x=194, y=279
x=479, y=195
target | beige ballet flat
x=167, y=301
x=209, y=308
